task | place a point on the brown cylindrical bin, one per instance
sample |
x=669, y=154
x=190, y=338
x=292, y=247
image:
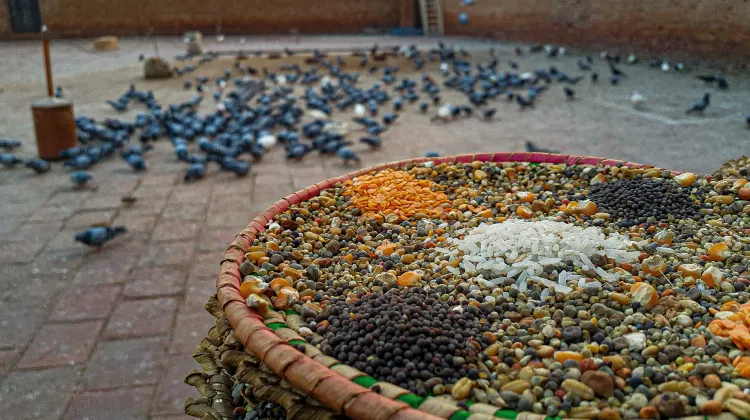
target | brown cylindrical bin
x=55, y=127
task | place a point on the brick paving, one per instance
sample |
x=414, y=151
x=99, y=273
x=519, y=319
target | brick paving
x=114, y=328
x=108, y=333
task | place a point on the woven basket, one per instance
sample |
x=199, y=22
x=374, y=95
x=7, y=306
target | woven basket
x=312, y=385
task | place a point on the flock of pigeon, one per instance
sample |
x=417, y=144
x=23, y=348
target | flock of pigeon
x=261, y=110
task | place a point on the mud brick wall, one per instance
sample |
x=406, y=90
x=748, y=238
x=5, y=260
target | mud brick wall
x=131, y=17
x=702, y=27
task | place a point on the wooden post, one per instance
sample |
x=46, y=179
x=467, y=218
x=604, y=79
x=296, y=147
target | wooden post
x=48, y=67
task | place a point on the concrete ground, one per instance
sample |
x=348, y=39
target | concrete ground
x=108, y=334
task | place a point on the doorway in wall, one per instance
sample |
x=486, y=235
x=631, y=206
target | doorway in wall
x=25, y=16
x=417, y=15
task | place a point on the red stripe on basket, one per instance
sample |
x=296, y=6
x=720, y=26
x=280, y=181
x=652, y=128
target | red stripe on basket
x=501, y=157
x=293, y=198
x=441, y=160
x=261, y=220
x=419, y=161
x=234, y=255
x=263, y=340
x=374, y=407
x=306, y=376
x=483, y=157
x=228, y=296
x=591, y=160
x=573, y=160
x=312, y=191
x=247, y=326
x=335, y=391
x=302, y=195
x=323, y=185
x=611, y=162
x=556, y=158
x=519, y=157
x=255, y=228
x=238, y=313
x=230, y=268
x=280, y=357
x=464, y=159
x=634, y=165
x=241, y=242
x=247, y=238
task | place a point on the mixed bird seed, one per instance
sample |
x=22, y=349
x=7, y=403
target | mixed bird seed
x=647, y=321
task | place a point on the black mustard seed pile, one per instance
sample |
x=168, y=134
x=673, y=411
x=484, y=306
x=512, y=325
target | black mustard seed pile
x=406, y=337
x=634, y=201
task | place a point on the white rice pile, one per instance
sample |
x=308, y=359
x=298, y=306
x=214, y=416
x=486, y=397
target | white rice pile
x=522, y=250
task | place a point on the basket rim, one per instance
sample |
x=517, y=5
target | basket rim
x=327, y=386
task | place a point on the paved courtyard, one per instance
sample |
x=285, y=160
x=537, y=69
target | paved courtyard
x=109, y=333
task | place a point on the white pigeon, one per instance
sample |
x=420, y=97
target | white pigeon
x=359, y=110
x=444, y=112
x=444, y=66
x=561, y=51
x=665, y=66
x=637, y=100
x=281, y=80
x=632, y=59
x=267, y=141
x=317, y=114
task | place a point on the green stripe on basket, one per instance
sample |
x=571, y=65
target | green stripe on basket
x=365, y=381
x=277, y=326
x=412, y=399
x=460, y=415
x=290, y=312
x=506, y=414
x=553, y=418
x=300, y=342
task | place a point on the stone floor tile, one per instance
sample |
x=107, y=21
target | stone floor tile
x=19, y=252
x=120, y=404
x=126, y=363
x=217, y=238
x=36, y=232
x=167, y=253
x=143, y=317
x=18, y=326
x=87, y=219
x=53, y=213
x=28, y=289
x=136, y=222
x=176, y=231
x=38, y=394
x=189, y=330
x=156, y=281
x=107, y=201
x=9, y=224
x=61, y=344
x=80, y=303
x=7, y=357
x=184, y=212
x=172, y=390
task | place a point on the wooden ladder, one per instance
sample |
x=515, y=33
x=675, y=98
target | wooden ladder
x=432, y=17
